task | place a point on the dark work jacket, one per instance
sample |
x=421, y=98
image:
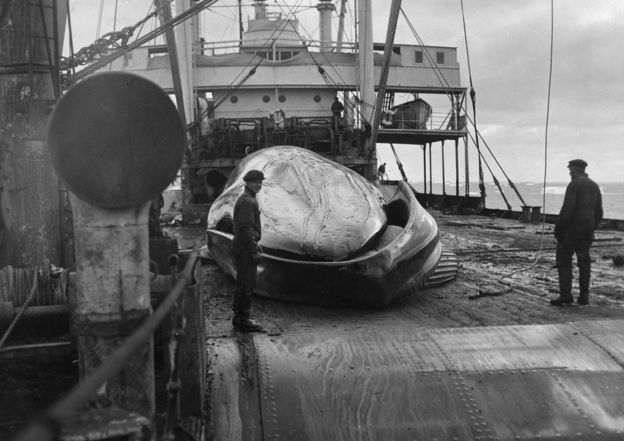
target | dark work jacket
x=337, y=108
x=581, y=211
x=246, y=219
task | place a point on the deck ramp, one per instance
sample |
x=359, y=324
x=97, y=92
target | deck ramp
x=546, y=382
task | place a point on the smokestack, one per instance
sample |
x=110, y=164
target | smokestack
x=325, y=8
x=260, y=9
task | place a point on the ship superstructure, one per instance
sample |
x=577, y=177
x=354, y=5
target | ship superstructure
x=276, y=86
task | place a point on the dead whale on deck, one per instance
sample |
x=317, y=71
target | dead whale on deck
x=329, y=236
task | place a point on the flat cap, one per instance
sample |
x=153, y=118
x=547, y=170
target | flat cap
x=253, y=175
x=577, y=163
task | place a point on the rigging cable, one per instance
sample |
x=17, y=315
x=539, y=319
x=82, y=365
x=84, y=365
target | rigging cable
x=147, y=14
x=496, y=182
x=442, y=79
x=473, y=98
x=71, y=36
x=233, y=87
x=99, y=23
x=110, y=66
x=511, y=184
x=399, y=164
x=550, y=68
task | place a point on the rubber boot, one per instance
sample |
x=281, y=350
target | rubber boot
x=565, y=287
x=584, y=277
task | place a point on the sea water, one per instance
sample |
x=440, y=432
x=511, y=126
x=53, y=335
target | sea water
x=533, y=194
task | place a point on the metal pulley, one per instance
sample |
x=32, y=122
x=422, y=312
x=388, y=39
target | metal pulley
x=116, y=139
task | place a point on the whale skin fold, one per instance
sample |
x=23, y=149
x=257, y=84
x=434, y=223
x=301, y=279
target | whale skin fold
x=312, y=208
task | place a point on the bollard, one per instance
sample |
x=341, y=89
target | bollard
x=526, y=214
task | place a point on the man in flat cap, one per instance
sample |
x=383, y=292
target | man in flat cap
x=247, y=233
x=574, y=230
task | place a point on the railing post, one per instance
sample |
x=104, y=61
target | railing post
x=430, y=170
x=443, y=171
x=457, y=167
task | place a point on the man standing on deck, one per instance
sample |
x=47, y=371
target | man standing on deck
x=574, y=230
x=336, y=109
x=247, y=232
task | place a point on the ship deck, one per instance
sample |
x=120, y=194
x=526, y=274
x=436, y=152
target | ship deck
x=478, y=358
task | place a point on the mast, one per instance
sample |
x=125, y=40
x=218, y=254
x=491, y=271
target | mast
x=343, y=10
x=385, y=68
x=325, y=8
x=365, y=62
x=174, y=61
x=240, y=23
x=187, y=42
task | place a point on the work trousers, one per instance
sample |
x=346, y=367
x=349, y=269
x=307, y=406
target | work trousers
x=566, y=248
x=246, y=270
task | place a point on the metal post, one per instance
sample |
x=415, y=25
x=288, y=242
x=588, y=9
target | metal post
x=466, y=167
x=430, y=171
x=424, y=167
x=173, y=59
x=456, y=167
x=443, y=172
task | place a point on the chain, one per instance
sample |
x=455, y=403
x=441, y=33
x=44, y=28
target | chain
x=108, y=41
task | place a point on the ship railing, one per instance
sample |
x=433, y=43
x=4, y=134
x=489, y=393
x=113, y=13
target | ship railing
x=436, y=121
x=234, y=46
x=46, y=426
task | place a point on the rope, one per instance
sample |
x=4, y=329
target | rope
x=110, y=66
x=99, y=23
x=539, y=253
x=511, y=184
x=493, y=177
x=436, y=70
x=473, y=98
x=398, y=161
x=31, y=295
x=466, y=40
x=71, y=36
x=108, y=41
x=146, y=14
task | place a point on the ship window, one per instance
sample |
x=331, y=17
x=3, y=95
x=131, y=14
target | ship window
x=269, y=55
x=285, y=55
x=418, y=57
x=317, y=98
x=440, y=57
x=266, y=98
x=282, y=98
x=233, y=99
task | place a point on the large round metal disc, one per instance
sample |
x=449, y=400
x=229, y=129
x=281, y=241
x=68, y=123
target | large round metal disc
x=116, y=139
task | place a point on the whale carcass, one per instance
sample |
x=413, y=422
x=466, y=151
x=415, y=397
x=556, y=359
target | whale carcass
x=329, y=236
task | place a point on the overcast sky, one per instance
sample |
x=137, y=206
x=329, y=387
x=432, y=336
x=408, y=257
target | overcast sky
x=509, y=44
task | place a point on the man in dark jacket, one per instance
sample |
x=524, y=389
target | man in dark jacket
x=247, y=233
x=574, y=230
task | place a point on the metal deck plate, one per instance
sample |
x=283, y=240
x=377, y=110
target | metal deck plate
x=495, y=383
